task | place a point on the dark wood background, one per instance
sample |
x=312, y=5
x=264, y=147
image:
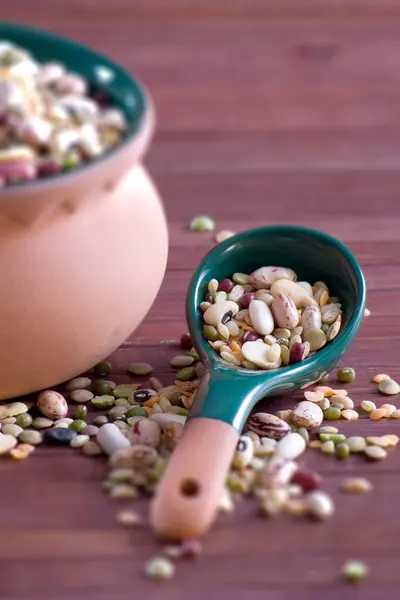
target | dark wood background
x=269, y=111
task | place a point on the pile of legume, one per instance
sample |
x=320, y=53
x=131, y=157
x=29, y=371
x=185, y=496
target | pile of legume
x=50, y=119
x=266, y=319
x=138, y=427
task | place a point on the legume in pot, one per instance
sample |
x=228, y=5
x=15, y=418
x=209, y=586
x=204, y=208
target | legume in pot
x=50, y=119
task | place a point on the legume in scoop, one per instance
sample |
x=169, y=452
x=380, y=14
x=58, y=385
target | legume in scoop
x=269, y=319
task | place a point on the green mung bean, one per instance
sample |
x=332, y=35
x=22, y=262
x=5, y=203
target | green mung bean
x=102, y=387
x=80, y=412
x=103, y=368
x=346, y=375
x=24, y=420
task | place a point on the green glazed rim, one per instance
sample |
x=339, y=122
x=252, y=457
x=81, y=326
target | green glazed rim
x=252, y=385
x=124, y=90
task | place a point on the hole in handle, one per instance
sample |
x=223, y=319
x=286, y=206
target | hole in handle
x=190, y=487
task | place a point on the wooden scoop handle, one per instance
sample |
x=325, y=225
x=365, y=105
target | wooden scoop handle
x=187, y=498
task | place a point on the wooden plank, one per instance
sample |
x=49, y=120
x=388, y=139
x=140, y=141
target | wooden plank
x=269, y=112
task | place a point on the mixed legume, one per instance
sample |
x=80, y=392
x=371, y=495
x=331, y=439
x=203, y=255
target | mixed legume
x=142, y=427
x=50, y=119
x=266, y=320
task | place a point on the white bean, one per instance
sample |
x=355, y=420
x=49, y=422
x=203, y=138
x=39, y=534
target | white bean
x=111, y=439
x=261, y=317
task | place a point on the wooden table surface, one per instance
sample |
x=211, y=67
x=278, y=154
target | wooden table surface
x=270, y=111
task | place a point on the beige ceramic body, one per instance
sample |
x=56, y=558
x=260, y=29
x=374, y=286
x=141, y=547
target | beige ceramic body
x=82, y=258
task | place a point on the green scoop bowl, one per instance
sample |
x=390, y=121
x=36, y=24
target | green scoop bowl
x=187, y=497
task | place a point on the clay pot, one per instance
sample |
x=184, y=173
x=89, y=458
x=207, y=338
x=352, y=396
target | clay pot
x=83, y=254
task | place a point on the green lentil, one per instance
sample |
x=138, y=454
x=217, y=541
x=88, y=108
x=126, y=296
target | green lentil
x=24, y=420
x=117, y=413
x=136, y=411
x=342, y=450
x=332, y=413
x=293, y=427
x=80, y=412
x=202, y=223
x=29, y=436
x=42, y=423
x=13, y=430
x=81, y=395
x=101, y=402
x=185, y=374
x=78, y=425
x=79, y=441
x=102, y=387
x=103, y=368
x=346, y=375
x=355, y=571
x=100, y=420
x=336, y=438
x=122, y=402
x=78, y=383
x=325, y=328
x=140, y=368
x=124, y=390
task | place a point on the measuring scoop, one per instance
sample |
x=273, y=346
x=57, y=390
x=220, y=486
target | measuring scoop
x=188, y=495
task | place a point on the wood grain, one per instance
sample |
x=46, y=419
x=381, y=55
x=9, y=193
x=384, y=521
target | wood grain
x=270, y=111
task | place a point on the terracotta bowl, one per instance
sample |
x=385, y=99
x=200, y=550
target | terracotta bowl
x=82, y=254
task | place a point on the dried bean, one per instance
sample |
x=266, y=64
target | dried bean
x=346, y=375
x=307, y=414
x=268, y=425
